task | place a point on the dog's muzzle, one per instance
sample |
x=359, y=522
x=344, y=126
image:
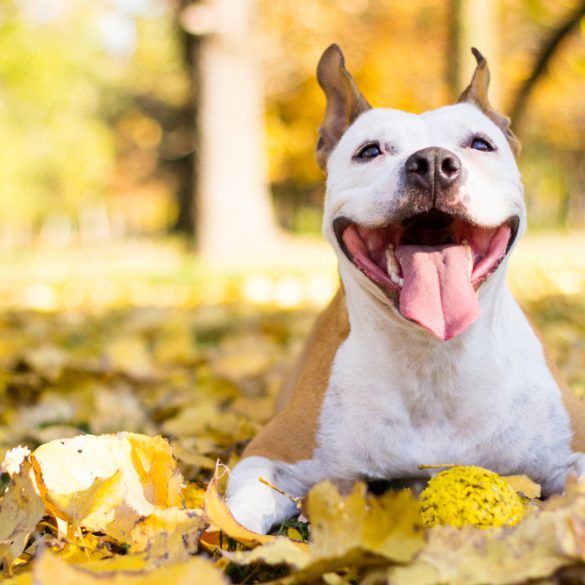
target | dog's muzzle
x=430, y=258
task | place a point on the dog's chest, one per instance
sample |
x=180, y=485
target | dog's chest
x=385, y=417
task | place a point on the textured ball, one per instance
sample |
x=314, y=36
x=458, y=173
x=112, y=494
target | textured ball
x=463, y=496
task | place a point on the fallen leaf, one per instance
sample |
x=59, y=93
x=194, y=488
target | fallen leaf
x=47, y=359
x=21, y=508
x=50, y=570
x=499, y=557
x=108, y=482
x=170, y=535
x=129, y=354
x=388, y=525
x=524, y=485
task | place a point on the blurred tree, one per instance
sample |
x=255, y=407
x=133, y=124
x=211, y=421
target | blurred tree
x=97, y=121
x=233, y=213
x=56, y=149
x=472, y=23
x=550, y=44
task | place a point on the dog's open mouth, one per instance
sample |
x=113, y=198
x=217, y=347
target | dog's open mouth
x=431, y=264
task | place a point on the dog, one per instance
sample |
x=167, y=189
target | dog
x=423, y=357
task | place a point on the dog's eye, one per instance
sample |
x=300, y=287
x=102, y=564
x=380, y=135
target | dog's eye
x=481, y=144
x=368, y=152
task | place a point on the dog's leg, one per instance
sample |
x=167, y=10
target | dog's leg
x=578, y=466
x=556, y=481
x=254, y=504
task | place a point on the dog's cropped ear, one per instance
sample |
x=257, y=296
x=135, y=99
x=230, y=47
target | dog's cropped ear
x=344, y=102
x=476, y=93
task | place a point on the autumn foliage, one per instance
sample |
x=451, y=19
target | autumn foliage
x=95, y=493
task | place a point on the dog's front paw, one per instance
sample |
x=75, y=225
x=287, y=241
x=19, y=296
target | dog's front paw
x=254, y=508
x=252, y=503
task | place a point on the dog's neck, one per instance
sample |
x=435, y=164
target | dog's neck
x=398, y=360
x=378, y=325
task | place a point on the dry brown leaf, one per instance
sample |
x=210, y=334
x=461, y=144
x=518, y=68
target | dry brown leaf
x=21, y=508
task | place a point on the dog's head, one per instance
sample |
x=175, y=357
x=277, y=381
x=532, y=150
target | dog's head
x=422, y=208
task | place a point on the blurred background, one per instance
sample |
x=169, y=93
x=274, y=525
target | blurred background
x=160, y=207
x=131, y=119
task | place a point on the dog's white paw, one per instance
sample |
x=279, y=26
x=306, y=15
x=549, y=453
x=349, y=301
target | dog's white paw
x=253, y=504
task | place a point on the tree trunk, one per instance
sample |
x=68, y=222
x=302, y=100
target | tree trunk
x=473, y=24
x=233, y=216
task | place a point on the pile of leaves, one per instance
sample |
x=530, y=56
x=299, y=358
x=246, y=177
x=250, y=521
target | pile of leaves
x=84, y=502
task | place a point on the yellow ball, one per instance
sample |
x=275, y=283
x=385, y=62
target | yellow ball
x=463, y=496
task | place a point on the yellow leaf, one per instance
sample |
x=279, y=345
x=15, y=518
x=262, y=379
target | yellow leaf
x=191, y=456
x=171, y=535
x=21, y=508
x=193, y=496
x=108, y=482
x=129, y=354
x=388, y=525
x=84, y=548
x=246, y=357
x=175, y=342
x=155, y=464
x=221, y=518
x=47, y=360
x=279, y=551
x=294, y=534
x=50, y=570
x=93, y=508
x=524, y=485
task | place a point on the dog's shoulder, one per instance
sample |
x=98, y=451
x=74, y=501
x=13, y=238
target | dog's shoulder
x=303, y=392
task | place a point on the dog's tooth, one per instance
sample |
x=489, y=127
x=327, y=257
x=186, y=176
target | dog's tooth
x=467, y=247
x=401, y=281
x=394, y=278
x=391, y=263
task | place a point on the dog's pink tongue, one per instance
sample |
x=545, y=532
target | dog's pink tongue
x=437, y=291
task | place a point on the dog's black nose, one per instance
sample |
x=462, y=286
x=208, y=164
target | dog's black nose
x=433, y=168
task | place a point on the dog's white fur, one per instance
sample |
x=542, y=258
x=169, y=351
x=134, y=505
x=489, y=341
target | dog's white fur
x=398, y=397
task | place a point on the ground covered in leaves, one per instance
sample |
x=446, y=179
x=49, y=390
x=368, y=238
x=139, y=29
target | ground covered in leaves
x=87, y=503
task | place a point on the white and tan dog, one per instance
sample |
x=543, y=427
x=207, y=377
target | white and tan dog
x=423, y=357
